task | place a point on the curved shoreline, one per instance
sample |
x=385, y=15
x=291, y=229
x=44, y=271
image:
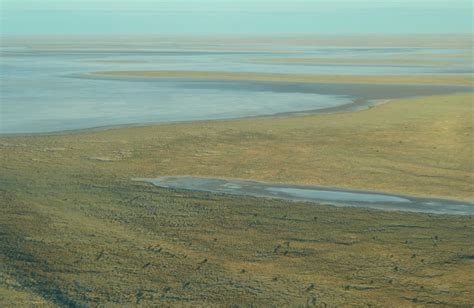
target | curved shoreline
x=364, y=96
x=354, y=106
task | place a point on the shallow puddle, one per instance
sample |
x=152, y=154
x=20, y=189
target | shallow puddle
x=332, y=196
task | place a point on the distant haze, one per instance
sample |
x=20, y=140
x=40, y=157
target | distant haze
x=234, y=16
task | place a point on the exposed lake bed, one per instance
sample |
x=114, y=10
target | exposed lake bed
x=325, y=195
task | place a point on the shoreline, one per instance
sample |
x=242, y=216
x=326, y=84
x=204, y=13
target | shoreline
x=357, y=104
x=310, y=149
x=263, y=189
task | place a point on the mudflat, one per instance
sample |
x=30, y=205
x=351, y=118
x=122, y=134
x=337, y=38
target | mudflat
x=315, y=194
x=52, y=84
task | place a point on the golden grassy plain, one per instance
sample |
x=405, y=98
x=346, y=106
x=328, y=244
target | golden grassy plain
x=75, y=230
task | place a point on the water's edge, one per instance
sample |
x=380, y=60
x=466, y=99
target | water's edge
x=355, y=105
x=316, y=194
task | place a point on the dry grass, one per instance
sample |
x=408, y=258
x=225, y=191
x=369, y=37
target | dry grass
x=76, y=231
x=91, y=241
x=420, y=147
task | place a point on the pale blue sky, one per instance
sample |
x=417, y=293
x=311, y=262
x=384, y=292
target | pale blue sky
x=234, y=16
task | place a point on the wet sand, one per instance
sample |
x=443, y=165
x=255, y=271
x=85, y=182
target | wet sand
x=325, y=195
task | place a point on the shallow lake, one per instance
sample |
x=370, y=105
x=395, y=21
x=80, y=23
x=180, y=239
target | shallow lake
x=41, y=92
